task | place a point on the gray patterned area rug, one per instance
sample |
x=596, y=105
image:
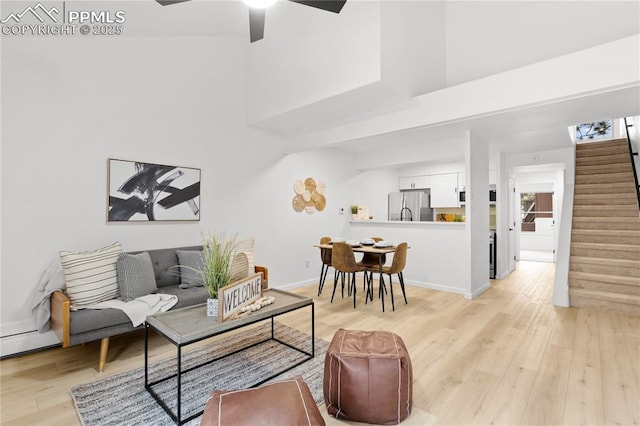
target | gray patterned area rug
x=123, y=400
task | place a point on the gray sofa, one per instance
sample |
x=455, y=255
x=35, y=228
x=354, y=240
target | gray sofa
x=86, y=325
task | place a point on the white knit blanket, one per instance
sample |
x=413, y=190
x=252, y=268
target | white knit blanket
x=138, y=309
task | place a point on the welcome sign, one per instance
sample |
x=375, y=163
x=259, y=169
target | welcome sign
x=233, y=297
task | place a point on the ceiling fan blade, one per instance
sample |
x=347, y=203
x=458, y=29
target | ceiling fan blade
x=170, y=2
x=328, y=5
x=256, y=24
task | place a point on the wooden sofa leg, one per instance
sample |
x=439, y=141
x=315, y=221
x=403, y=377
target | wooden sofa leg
x=104, y=347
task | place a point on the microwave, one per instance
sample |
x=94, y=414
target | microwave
x=462, y=197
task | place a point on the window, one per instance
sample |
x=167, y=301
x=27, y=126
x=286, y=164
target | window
x=596, y=130
x=536, y=211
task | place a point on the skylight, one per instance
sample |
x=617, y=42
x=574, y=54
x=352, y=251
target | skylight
x=594, y=131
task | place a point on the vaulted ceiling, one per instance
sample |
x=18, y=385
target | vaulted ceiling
x=317, y=77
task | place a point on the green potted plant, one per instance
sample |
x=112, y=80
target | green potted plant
x=218, y=252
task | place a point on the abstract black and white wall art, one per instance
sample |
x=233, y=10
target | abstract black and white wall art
x=152, y=192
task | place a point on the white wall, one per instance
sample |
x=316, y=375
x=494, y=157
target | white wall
x=543, y=29
x=477, y=214
x=438, y=255
x=68, y=105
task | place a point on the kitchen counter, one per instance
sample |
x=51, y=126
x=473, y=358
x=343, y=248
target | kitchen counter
x=407, y=223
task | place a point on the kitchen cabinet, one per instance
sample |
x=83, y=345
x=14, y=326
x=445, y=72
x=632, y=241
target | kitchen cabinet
x=462, y=181
x=414, y=182
x=444, y=190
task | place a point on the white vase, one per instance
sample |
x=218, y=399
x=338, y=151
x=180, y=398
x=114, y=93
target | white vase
x=212, y=307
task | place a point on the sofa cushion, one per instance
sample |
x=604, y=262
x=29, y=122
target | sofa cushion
x=135, y=275
x=93, y=319
x=165, y=264
x=91, y=276
x=190, y=262
x=186, y=296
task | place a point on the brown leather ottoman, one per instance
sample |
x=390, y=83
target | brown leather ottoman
x=368, y=377
x=287, y=402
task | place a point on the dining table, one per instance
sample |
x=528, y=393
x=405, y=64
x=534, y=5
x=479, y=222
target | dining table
x=373, y=249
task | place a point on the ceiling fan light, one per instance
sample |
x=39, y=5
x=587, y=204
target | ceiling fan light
x=259, y=4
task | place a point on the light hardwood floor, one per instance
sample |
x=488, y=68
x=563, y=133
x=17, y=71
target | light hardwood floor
x=508, y=357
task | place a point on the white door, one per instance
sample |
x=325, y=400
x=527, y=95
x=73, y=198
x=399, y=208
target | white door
x=512, y=224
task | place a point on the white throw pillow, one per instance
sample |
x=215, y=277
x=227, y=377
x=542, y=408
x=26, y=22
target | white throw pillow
x=239, y=267
x=91, y=276
x=246, y=247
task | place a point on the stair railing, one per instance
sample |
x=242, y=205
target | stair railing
x=633, y=163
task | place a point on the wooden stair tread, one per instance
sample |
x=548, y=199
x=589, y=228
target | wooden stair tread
x=604, y=188
x=607, y=262
x=603, y=168
x=599, y=144
x=629, y=220
x=611, y=247
x=608, y=232
x=603, y=207
x=595, y=146
x=615, y=199
x=604, y=278
x=625, y=173
x=604, y=159
x=602, y=151
x=629, y=299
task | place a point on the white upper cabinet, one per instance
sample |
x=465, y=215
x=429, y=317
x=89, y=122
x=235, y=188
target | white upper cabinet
x=493, y=177
x=462, y=181
x=444, y=190
x=414, y=182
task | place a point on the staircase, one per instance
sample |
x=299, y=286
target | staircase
x=604, y=268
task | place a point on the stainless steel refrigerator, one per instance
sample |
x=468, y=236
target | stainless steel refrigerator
x=410, y=206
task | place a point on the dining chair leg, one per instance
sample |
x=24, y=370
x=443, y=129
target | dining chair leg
x=323, y=275
x=335, y=284
x=382, y=290
x=353, y=285
x=393, y=303
x=369, y=282
x=401, y=278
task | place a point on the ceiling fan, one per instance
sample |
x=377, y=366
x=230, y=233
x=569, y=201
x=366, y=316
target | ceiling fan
x=257, y=14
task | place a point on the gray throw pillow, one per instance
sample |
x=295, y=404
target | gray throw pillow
x=190, y=259
x=135, y=275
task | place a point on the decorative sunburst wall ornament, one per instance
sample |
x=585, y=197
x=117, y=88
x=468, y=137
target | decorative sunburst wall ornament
x=309, y=196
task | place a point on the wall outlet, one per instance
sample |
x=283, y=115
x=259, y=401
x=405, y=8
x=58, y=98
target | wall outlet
x=341, y=211
x=306, y=263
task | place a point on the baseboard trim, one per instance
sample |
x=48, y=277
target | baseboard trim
x=438, y=287
x=19, y=344
x=472, y=295
x=430, y=286
x=298, y=284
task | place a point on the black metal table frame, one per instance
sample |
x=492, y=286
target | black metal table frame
x=176, y=417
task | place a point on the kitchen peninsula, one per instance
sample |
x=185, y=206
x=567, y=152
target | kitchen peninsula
x=429, y=240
